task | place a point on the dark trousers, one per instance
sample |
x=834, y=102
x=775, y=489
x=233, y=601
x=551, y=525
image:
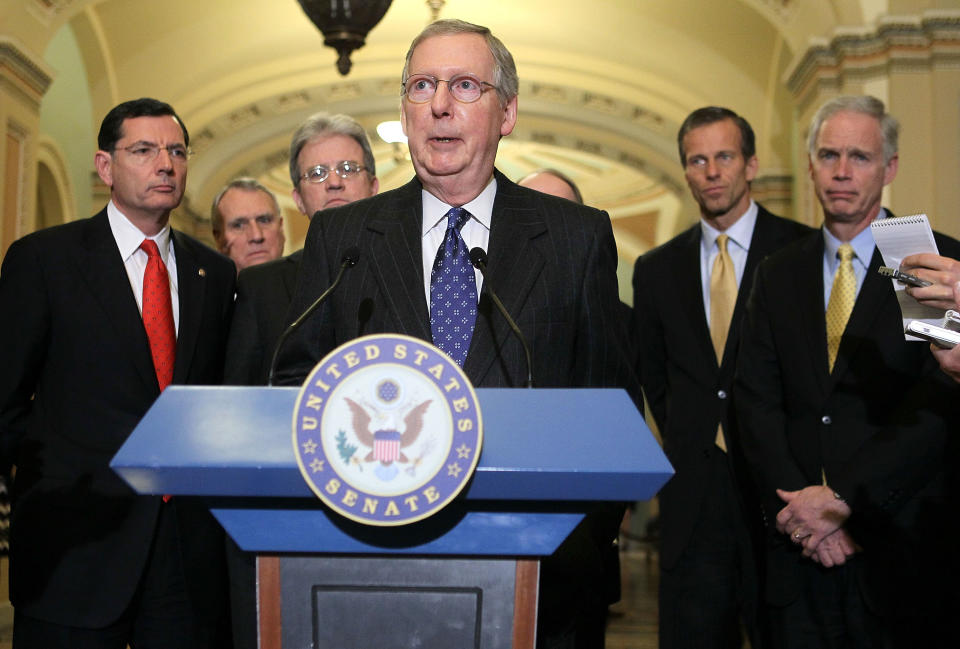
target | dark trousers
x=831, y=612
x=828, y=614
x=242, y=569
x=159, y=617
x=711, y=589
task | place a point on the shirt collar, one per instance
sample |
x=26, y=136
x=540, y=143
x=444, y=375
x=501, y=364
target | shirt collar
x=480, y=208
x=129, y=237
x=740, y=232
x=863, y=245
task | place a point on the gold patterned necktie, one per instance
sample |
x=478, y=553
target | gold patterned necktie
x=842, y=296
x=723, y=297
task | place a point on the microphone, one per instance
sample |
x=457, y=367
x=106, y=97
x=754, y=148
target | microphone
x=348, y=260
x=478, y=257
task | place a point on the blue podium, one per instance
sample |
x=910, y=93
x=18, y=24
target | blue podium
x=466, y=577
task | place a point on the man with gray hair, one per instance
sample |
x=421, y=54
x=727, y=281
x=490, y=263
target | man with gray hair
x=844, y=422
x=246, y=222
x=331, y=164
x=552, y=261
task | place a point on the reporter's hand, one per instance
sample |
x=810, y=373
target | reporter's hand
x=944, y=272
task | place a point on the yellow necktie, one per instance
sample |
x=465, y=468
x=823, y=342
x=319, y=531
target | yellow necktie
x=723, y=297
x=842, y=296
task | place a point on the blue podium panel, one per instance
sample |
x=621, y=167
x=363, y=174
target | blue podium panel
x=547, y=444
x=273, y=530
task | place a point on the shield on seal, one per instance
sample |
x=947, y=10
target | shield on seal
x=386, y=446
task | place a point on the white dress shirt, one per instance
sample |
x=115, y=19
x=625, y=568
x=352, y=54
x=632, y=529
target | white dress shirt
x=475, y=232
x=863, y=246
x=738, y=246
x=128, y=238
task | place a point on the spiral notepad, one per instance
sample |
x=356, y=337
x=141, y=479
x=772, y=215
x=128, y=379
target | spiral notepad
x=896, y=238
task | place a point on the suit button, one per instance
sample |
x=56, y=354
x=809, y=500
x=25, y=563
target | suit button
x=826, y=420
x=722, y=394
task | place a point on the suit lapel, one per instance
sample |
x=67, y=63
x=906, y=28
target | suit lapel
x=690, y=293
x=103, y=269
x=191, y=284
x=291, y=268
x=513, y=266
x=807, y=279
x=763, y=241
x=397, y=237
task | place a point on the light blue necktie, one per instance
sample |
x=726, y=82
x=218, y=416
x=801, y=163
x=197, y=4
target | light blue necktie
x=453, y=291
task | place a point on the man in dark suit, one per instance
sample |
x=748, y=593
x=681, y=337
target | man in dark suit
x=331, y=164
x=843, y=421
x=92, y=564
x=553, y=263
x=707, y=570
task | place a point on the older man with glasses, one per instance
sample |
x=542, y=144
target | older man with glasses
x=553, y=263
x=331, y=164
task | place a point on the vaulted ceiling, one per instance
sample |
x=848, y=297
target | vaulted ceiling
x=604, y=84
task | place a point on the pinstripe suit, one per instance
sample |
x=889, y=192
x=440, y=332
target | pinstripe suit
x=552, y=262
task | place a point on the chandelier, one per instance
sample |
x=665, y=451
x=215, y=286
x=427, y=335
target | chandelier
x=344, y=24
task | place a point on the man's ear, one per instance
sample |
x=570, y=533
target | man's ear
x=103, y=161
x=299, y=201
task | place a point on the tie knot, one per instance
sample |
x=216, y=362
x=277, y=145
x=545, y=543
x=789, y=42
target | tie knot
x=456, y=217
x=150, y=247
x=845, y=252
x=722, y=242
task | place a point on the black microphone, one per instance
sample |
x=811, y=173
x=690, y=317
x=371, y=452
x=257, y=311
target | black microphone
x=348, y=260
x=478, y=257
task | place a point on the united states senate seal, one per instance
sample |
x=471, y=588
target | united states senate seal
x=387, y=430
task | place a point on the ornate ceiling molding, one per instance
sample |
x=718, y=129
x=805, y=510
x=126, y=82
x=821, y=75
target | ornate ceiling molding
x=610, y=127
x=897, y=43
x=28, y=76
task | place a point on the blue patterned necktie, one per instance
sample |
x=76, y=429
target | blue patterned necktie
x=453, y=291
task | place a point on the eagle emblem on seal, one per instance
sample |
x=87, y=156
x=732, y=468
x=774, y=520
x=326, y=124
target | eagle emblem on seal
x=386, y=444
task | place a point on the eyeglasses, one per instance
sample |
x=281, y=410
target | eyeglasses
x=346, y=169
x=465, y=88
x=144, y=152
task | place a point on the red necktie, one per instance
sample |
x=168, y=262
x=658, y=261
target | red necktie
x=158, y=314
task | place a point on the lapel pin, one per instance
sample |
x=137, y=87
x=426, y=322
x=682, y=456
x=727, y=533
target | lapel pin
x=202, y=272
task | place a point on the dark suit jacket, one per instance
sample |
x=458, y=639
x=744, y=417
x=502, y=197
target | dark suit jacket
x=552, y=262
x=76, y=377
x=688, y=391
x=264, y=293
x=876, y=425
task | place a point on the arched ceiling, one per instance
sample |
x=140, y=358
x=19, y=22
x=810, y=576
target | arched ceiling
x=604, y=84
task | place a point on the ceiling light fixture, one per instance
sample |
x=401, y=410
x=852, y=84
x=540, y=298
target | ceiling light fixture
x=344, y=23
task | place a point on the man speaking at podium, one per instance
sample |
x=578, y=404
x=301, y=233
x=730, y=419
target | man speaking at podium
x=551, y=261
